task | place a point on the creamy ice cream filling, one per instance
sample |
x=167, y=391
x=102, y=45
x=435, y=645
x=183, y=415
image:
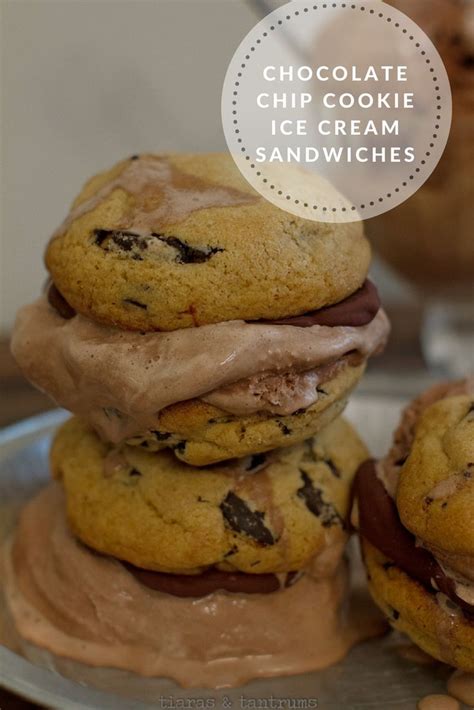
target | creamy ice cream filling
x=282, y=394
x=83, y=606
x=119, y=380
x=448, y=576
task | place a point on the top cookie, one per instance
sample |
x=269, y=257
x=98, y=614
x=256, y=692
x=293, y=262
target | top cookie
x=176, y=241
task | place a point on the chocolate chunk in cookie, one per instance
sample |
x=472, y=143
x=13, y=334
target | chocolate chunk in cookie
x=313, y=498
x=243, y=520
x=186, y=253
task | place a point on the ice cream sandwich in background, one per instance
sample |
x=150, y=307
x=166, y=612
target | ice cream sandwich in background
x=414, y=512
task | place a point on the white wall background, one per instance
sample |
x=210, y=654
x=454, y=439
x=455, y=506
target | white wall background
x=87, y=82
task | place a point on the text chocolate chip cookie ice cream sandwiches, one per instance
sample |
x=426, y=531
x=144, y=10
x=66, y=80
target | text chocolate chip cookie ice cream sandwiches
x=209, y=576
x=414, y=511
x=186, y=312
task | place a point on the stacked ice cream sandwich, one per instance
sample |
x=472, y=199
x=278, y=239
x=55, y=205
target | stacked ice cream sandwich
x=206, y=343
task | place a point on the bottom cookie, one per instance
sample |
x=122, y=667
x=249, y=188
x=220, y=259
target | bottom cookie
x=269, y=513
x=201, y=434
x=86, y=607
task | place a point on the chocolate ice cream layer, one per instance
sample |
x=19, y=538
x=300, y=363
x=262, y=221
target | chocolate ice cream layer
x=118, y=380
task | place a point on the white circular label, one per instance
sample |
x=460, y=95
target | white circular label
x=348, y=93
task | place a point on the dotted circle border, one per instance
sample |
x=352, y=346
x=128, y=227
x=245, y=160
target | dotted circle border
x=342, y=6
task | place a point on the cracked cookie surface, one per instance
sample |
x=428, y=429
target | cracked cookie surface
x=168, y=242
x=264, y=513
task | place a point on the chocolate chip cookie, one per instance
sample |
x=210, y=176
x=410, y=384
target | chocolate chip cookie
x=161, y=242
x=414, y=511
x=267, y=513
x=201, y=434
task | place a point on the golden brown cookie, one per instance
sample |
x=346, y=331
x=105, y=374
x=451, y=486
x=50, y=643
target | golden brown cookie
x=266, y=513
x=201, y=434
x=168, y=242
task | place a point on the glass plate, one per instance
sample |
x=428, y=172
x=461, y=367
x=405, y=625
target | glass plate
x=373, y=675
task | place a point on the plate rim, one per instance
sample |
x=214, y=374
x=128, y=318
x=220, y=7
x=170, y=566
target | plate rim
x=36, y=424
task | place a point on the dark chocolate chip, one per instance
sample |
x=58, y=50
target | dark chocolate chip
x=134, y=157
x=313, y=498
x=100, y=235
x=395, y=614
x=180, y=446
x=298, y=412
x=242, y=519
x=136, y=243
x=137, y=304
x=186, y=253
x=126, y=241
x=134, y=472
x=427, y=502
x=286, y=430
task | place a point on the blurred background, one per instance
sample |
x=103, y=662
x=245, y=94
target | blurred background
x=87, y=82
